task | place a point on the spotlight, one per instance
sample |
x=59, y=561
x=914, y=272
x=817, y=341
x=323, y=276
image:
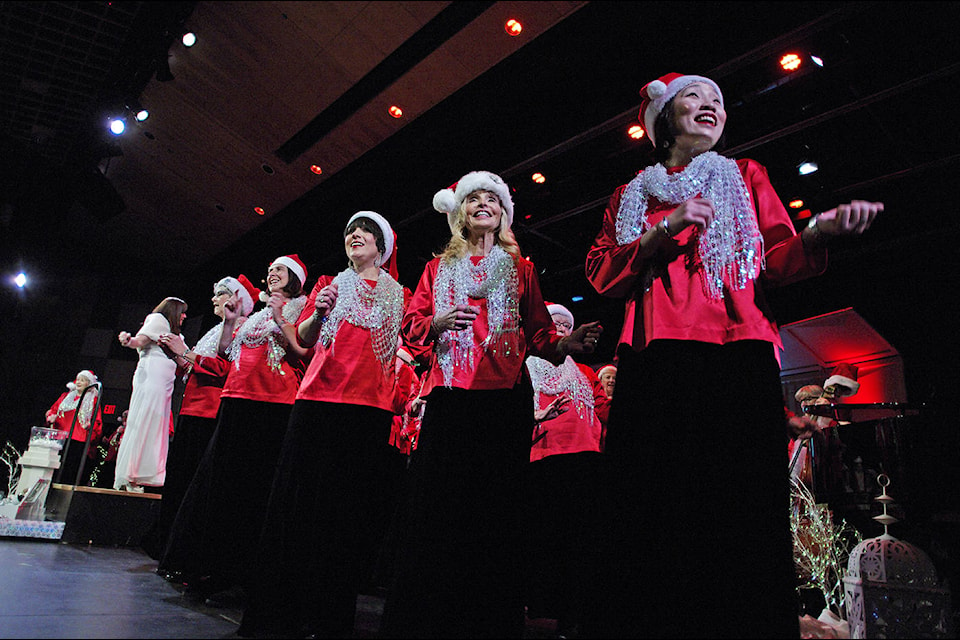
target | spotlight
x=396, y=111
x=790, y=62
x=806, y=168
x=259, y=211
x=513, y=27
x=189, y=39
x=316, y=169
x=117, y=126
x=796, y=204
x=20, y=280
x=817, y=61
x=538, y=177
x=142, y=115
x=636, y=132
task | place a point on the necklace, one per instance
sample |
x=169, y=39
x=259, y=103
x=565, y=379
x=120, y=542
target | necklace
x=260, y=328
x=730, y=251
x=493, y=278
x=556, y=380
x=379, y=309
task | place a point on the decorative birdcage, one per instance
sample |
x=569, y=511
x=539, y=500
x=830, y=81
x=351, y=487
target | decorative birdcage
x=891, y=587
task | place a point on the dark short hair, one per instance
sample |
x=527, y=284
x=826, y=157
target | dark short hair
x=294, y=287
x=665, y=132
x=369, y=226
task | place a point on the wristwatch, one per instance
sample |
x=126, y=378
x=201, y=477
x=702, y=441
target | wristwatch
x=812, y=225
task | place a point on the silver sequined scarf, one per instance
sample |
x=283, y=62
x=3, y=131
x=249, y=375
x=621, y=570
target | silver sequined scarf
x=554, y=380
x=493, y=278
x=260, y=327
x=86, y=411
x=379, y=309
x=731, y=249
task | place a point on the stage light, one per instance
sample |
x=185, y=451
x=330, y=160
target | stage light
x=513, y=27
x=117, y=126
x=316, y=169
x=790, y=62
x=528, y=216
x=817, y=61
x=636, y=132
x=259, y=211
x=396, y=111
x=576, y=299
x=796, y=204
x=538, y=177
x=189, y=39
x=806, y=168
x=142, y=115
x=20, y=280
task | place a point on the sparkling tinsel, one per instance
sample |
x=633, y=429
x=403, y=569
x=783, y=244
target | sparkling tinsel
x=820, y=547
x=730, y=251
x=494, y=278
x=86, y=410
x=260, y=327
x=567, y=378
x=379, y=309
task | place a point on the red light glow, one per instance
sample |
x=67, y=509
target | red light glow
x=790, y=62
x=259, y=211
x=796, y=204
x=513, y=27
x=316, y=169
x=396, y=111
x=636, y=132
x=109, y=409
x=803, y=215
x=538, y=178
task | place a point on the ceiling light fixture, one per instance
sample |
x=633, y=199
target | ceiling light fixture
x=395, y=111
x=806, y=168
x=513, y=27
x=117, y=126
x=316, y=169
x=636, y=132
x=790, y=62
x=189, y=39
x=20, y=280
x=259, y=211
x=796, y=204
x=142, y=115
x=538, y=177
x=817, y=61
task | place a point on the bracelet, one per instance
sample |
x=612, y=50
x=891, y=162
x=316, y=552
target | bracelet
x=184, y=354
x=815, y=232
x=664, y=226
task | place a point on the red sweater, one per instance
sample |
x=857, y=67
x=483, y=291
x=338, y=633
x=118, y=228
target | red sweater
x=570, y=432
x=492, y=370
x=675, y=306
x=201, y=396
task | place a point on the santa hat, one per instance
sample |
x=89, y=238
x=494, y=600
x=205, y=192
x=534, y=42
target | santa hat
x=295, y=265
x=554, y=309
x=808, y=392
x=658, y=93
x=388, y=261
x=86, y=373
x=605, y=368
x=448, y=200
x=843, y=380
x=243, y=289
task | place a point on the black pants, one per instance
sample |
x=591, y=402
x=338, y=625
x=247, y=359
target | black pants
x=695, y=538
x=321, y=524
x=459, y=572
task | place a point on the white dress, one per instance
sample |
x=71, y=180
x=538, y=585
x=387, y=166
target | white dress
x=142, y=456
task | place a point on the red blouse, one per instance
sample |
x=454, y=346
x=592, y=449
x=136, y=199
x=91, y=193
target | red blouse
x=675, y=306
x=570, y=432
x=492, y=370
x=201, y=396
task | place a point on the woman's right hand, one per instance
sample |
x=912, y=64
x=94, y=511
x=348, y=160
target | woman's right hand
x=124, y=338
x=698, y=211
x=456, y=319
x=326, y=300
x=231, y=308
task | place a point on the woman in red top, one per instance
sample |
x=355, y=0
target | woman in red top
x=213, y=538
x=561, y=486
x=61, y=416
x=205, y=373
x=319, y=527
x=476, y=314
x=698, y=489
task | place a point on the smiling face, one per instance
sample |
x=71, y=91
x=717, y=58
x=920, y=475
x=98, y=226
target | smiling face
x=483, y=212
x=698, y=117
x=608, y=380
x=361, y=247
x=82, y=383
x=277, y=278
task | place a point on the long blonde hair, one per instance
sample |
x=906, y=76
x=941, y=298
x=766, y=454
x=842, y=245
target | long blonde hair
x=457, y=246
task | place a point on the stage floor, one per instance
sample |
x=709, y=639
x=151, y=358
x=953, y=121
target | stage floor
x=53, y=589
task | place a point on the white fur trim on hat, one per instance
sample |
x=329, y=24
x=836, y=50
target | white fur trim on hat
x=385, y=229
x=559, y=309
x=602, y=369
x=447, y=200
x=86, y=373
x=843, y=380
x=293, y=266
x=660, y=94
x=237, y=288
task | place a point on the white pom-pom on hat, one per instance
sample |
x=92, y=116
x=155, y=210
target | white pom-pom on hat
x=445, y=201
x=657, y=93
x=656, y=89
x=448, y=200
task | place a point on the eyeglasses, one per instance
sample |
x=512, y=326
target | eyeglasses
x=565, y=325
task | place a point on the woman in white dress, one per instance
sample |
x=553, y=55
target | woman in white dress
x=141, y=459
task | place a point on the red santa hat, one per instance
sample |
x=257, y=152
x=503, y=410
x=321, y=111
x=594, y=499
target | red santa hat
x=448, y=200
x=657, y=93
x=388, y=261
x=609, y=367
x=558, y=309
x=843, y=380
x=243, y=289
x=295, y=265
x=86, y=373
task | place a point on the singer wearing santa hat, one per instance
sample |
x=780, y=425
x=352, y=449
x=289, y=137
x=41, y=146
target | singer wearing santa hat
x=67, y=412
x=205, y=373
x=321, y=517
x=699, y=543
x=214, y=535
x=476, y=314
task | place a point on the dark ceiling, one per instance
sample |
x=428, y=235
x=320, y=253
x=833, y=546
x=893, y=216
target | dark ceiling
x=877, y=117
